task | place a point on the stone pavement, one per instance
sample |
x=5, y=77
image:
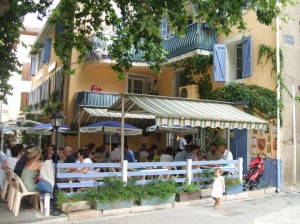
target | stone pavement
x=29, y=215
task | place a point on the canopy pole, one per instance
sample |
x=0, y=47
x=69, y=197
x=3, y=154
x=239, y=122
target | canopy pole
x=122, y=128
x=79, y=126
x=1, y=123
x=278, y=168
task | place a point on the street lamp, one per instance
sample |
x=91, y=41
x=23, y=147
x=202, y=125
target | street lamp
x=56, y=122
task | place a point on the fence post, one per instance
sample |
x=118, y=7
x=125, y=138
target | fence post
x=124, y=170
x=189, y=174
x=240, y=165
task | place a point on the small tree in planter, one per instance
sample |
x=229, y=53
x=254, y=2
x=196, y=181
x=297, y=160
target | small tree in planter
x=233, y=185
x=113, y=194
x=158, y=192
x=188, y=192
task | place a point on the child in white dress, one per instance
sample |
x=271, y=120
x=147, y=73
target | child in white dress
x=218, y=187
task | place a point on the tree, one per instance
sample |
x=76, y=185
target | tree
x=137, y=24
x=11, y=20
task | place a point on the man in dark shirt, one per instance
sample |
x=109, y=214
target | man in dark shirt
x=21, y=164
x=69, y=154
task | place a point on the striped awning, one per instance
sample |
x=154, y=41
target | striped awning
x=193, y=112
x=93, y=115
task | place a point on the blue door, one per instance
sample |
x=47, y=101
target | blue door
x=239, y=146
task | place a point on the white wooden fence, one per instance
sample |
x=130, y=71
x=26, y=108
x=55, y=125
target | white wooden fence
x=144, y=172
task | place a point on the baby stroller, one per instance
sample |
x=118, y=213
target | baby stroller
x=254, y=173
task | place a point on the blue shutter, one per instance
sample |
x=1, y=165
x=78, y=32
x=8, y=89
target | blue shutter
x=164, y=28
x=219, y=63
x=46, y=53
x=33, y=65
x=247, y=57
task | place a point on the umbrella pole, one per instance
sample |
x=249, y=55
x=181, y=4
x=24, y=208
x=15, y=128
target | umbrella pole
x=122, y=130
x=110, y=144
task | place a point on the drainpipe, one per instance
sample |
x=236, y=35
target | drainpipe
x=278, y=161
x=294, y=139
x=122, y=128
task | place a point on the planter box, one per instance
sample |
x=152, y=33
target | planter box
x=185, y=196
x=75, y=206
x=234, y=189
x=205, y=192
x=157, y=200
x=108, y=205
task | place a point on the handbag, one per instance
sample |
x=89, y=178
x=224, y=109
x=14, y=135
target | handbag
x=43, y=186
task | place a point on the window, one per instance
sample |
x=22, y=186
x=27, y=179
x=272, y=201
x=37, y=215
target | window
x=109, y=139
x=139, y=84
x=45, y=54
x=26, y=72
x=233, y=61
x=24, y=99
x=58, y=81
x=180, y=79
x=164, y=28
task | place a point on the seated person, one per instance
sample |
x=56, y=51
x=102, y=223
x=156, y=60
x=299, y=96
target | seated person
x=193, y=154
x=213, y=153
x=32, y=169
x=83, y=157
x=22, y=162
x=128, y=154
x=12, y=160
x=167, y=155
x=115, y=155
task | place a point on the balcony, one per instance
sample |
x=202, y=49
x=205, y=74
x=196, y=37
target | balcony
x=198, y=36
x=95, y=99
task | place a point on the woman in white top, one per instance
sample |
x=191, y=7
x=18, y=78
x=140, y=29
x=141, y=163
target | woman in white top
x=83, y=157
x=11, y=161
x=167, y=155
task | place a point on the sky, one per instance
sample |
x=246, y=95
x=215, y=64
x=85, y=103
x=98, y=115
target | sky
x=32, y=21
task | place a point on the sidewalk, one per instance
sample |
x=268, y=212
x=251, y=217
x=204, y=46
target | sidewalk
x=29, y=215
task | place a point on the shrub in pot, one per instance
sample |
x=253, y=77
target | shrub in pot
x=113, y=194
x=158, y=192
x=233, y=185
x=188, y=192
x=206, y=180
x=73, y=201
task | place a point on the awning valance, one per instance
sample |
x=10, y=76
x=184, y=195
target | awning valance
x=193, y=112
x=89, y=115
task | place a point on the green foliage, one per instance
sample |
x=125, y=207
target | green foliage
x=158, y=188
x=63, y=197
x=114, y=189
x=189, y=188
x=10, y=25
x=205, y=87
x=35, y=49
x=138, y=25
x=213, y=135
x=55, y=105
x=206, y=177
x=259, y=100
x=230, y=181
x=43, y=103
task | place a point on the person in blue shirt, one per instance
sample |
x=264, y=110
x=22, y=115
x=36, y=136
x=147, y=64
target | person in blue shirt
x=128, y=154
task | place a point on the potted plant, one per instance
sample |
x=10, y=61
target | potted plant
x=205, y=182
x=72, y=202
x=157, y=192
x=233, y=185
x=113, y=194
x=188, y=192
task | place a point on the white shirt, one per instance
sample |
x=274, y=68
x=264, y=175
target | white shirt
x=182, y=143
x=227, y=155
x=143, y=156
x=116, y=155
x=91, y=169
x=166, y=158
x=11, y=162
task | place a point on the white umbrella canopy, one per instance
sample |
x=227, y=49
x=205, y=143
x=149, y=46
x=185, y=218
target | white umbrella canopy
x=111, y=127
x=173, y=129
x=45, y=129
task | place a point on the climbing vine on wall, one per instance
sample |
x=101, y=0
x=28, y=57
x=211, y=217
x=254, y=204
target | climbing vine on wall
x=270, y=55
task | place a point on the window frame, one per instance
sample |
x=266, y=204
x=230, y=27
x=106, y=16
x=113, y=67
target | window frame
x=141, y=77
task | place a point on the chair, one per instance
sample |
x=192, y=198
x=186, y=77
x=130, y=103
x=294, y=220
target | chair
x=6, y=184
x=20, y=193
x=12, y=190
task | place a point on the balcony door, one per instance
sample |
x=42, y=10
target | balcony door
x=139, y=84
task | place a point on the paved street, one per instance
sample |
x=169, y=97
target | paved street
x=283, y=208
